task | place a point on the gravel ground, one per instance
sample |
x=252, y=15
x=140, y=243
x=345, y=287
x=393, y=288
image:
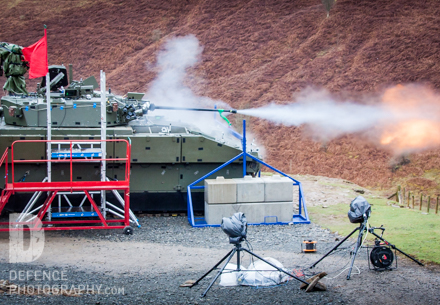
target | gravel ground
x=149, y=266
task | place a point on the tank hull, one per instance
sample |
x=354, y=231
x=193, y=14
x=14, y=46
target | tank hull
x=162, y=164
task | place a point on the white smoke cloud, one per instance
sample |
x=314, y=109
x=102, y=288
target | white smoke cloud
x=168, y=88
x=327, y=117
x=402, y=118
x=171, y=88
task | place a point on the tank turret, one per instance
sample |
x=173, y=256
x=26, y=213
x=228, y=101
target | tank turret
x=72, y=105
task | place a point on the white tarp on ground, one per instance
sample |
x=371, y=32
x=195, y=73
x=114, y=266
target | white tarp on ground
x=258, y=273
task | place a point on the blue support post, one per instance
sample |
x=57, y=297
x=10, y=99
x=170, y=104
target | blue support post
x=244, y=148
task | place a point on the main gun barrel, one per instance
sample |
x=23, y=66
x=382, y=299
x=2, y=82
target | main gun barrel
x=192, y=109
x=153, y=107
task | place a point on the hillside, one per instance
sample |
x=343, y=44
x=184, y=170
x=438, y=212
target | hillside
x=256, y=52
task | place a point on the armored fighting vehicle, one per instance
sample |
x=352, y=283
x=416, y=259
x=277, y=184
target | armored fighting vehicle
x=166, y=155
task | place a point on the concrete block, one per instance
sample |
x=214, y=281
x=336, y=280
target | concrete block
x=214, y=213
x=220, y=190
x=278, y=188
x=250, y=189
x=255, y=212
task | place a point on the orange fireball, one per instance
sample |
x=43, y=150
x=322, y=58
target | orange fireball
x=414, y=118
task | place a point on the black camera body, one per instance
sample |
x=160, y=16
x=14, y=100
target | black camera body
x=360, y=210
x=235, y=227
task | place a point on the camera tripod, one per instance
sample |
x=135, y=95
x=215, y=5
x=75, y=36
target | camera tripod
x=362, y=229
x=236, y=250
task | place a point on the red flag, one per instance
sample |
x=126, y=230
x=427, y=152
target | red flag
x=36, y=55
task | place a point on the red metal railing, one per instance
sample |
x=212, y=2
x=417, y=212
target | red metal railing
x=70, y=185
x=55, y=186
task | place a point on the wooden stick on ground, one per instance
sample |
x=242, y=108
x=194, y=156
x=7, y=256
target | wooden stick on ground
x=314, y=283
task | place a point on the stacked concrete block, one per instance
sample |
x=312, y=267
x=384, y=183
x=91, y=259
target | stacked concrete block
x=277, y=188
x=265, y=200
x=266, y=212
x=220, y=190
x=250, y=189
x=214, y=213
x=255, y=212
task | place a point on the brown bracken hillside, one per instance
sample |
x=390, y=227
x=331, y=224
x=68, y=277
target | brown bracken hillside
x=255, y=52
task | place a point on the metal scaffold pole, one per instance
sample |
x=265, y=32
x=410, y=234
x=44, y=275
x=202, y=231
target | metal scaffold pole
x=103, y=142
x=49, y=129
x=49, y=137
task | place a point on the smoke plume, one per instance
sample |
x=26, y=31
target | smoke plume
x=177, y=56
x=402, y=119
x=172, y=87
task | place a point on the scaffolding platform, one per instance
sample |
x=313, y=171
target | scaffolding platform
x=34, y=215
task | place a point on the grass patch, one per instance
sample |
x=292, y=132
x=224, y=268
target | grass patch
x=414, y=233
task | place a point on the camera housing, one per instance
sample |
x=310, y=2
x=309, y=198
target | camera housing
x=235, y=227
x=360, y=210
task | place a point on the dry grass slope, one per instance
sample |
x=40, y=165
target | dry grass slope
x=255, y=52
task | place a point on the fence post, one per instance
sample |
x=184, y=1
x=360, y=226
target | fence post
x=413, y=201
x=436, y=206
x=429, y=203
x=403, y=196
x=421, y=201
x=398, y=194
x=409, y=198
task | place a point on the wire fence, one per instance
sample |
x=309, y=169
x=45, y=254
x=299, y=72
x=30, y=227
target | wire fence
x=415, y=201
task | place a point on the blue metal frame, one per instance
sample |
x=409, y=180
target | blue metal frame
x=200, y=222
x=74, y=214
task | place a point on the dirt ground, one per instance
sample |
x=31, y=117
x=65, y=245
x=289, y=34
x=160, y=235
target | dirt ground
x=151, y=264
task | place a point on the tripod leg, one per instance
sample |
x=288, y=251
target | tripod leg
x=356, y=249
x=394, y=247
x=279, y=269
x=221, y=270
x=334, y=248
x=203, y=276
